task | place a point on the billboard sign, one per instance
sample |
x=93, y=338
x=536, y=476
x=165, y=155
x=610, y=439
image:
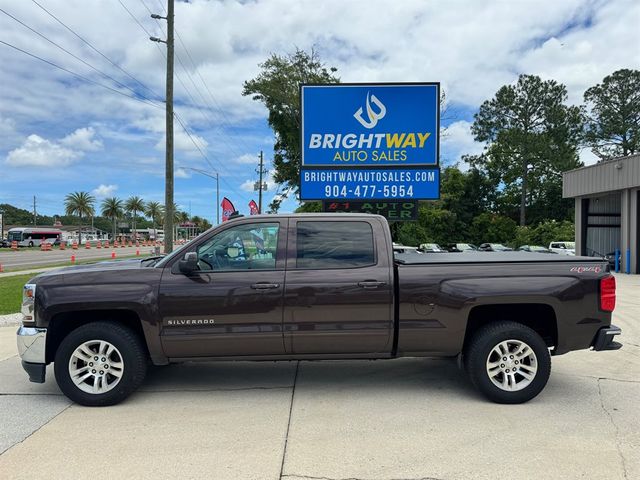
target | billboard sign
x=366, y=127
x=392, y=211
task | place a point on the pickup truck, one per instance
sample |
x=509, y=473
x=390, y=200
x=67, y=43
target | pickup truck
x=313, y=286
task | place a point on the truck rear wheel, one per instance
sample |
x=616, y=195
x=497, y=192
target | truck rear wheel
x=508, y=362
x=100, y=364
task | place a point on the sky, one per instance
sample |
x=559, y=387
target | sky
x=62, y=132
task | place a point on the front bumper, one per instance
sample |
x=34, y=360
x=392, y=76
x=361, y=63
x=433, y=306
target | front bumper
x=604, y=339
x=31, y=347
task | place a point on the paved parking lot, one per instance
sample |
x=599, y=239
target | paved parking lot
x=371, y=420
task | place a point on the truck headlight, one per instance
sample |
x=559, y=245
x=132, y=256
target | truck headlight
x=28, y=303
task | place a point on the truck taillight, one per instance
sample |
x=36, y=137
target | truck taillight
x=608, y=293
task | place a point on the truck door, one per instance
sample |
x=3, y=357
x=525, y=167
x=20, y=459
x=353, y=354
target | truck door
x=233, y=304
x=338, y=289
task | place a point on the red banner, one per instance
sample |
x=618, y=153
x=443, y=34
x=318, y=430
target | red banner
x=253, y=208
x=227, y=209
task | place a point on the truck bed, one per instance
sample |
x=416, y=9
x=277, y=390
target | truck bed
x=489, y=257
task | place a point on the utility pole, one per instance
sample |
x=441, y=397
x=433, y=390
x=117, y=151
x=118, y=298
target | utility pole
x=35, y=215
x=217, y=177
x=168, y=189
x=260, y=172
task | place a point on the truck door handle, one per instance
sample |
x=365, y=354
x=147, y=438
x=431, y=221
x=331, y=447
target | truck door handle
x=265, y=286
x=371, y=284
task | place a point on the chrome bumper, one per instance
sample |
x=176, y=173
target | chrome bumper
x=31, y=344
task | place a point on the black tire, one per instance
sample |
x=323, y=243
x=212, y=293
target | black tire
x=31, y=244
x=130, y=349
x=479, y=349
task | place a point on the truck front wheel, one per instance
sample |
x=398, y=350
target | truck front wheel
x=508, y=362
x=100, y=364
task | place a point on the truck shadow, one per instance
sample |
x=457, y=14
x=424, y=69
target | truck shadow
x=424, y=375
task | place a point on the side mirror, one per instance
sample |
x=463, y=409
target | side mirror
x=189, y=264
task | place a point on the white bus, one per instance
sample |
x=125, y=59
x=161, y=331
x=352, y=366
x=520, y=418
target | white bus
x=32, y=236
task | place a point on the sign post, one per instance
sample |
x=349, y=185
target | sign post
x=370, y=142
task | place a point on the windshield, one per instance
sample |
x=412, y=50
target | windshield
x=570, y=245
x=15, y=236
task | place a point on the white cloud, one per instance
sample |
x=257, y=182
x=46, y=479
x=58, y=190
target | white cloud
x=458, y=141
x=181, y=173
x=246, y=159
x=104, y=190
x=184, y=143
x=7, y=126
x=82, y=139
x=37, y=151
x=588, y=157
x=247, y=185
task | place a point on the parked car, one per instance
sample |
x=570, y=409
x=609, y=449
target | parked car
x=534, y=249
x=565, y=248
x=611, y=259
x=399, y=249
x=494, y=247
x=431, y=248
x=5, y=243
x=313, y=286
x=461, y=247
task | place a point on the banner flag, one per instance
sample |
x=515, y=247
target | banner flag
x=253, y=208
x=227, y=209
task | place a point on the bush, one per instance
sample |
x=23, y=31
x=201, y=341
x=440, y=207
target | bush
x=491, y=228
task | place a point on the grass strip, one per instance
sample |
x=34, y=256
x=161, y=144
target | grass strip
x=11, y=292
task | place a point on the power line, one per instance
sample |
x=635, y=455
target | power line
x=82, y=77
x=196, y=104
x=74, y=56
x=86, y=42
x=204, y=155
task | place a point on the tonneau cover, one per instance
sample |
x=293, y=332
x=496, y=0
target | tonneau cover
x=490, y=257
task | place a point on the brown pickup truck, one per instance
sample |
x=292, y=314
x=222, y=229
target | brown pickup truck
x=314, y=286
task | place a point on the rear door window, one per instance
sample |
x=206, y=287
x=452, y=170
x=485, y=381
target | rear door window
x=322, y=245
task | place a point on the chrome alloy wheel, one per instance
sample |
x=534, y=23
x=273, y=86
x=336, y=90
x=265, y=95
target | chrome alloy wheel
x=512, y=365
x=96, y=366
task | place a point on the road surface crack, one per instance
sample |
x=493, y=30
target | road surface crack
x=310, y=477
x=38, y=429
x=286, y=436
x=617, y=430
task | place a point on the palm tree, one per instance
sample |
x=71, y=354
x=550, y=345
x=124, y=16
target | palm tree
x=184, y=217
x=81, y=204
x=155, y=211
x=112, y=208
x=134, y=205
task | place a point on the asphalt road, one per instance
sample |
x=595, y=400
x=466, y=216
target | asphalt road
x=29, y=257
x=361, y=420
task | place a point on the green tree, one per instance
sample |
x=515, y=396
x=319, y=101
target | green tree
x=466, y=195
x=613, y=120
x=183, y=217
x=309, y=207
x=492, y=228
x=155, y=212
x=531, y=135
x=277, y=87
x=80, y=204
x=113, y=208
x=134, y=205
x=205, y=225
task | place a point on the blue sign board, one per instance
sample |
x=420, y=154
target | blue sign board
x=370, y=184
x=370, y=141
x=370, y=125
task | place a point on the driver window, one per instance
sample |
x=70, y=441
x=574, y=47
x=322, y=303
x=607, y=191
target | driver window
x=245, y=247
